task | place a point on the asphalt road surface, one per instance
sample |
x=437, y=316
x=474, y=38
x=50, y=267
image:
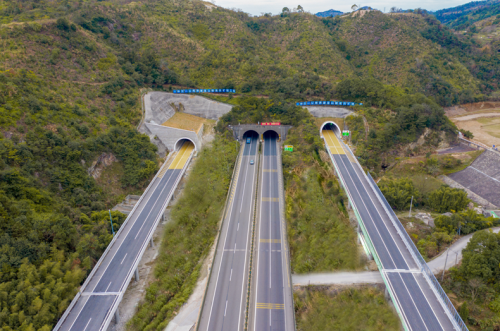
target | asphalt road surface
x=102, y=292
x=225, y=301
x=420, y=307
x=271, y=307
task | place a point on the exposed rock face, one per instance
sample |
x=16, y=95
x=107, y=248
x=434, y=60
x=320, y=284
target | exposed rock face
x=103, y=161
x=426, y=218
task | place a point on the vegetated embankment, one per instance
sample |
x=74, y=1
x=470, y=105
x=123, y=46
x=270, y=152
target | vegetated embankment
x=320, y=235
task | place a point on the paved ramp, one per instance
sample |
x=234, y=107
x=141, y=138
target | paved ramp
x=418, y=298
x=95, y=304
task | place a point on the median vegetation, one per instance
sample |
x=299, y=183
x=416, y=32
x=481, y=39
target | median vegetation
x=320, y=235
x=188, y=236
x=323, y=308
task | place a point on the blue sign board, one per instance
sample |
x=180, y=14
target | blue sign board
x=205, y=91
x=337, y=103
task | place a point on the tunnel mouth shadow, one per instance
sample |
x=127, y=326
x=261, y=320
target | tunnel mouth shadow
x=329, y=125
x=178, y=145
x=250, y=134
x=270, y=134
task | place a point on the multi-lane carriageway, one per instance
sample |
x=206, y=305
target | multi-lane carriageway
x=93, y=307
x=417, y=301
x=234, y=301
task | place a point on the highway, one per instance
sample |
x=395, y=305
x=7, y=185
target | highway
x=271, y=304
x=93, y=308
x=224, y=307
x=414, y=297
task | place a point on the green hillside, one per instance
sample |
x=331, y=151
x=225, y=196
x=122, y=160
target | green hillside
x=71, y=74
x=295, y=55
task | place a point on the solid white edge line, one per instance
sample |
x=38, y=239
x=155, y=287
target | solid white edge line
x=366, y=208
x=225, y=239
x=409, y=294
x=423, y=293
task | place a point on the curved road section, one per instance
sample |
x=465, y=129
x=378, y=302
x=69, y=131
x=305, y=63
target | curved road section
x=95, y=304
x=417, y=301
x=224, y=305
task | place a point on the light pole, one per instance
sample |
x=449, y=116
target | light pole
x=112, y=230
x=411, y=203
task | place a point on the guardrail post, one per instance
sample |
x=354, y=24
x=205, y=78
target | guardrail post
x=136, y=274
x=117, y=316
x=151, y=243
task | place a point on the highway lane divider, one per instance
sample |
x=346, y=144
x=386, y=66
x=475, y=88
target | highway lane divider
x=229, y=199
x=286, y=250
x=256, y=203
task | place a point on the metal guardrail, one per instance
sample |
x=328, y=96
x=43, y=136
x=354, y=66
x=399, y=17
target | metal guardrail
x=103, y=256
x=368, y=240
x=423, y=265
x=231, y=187
x=478, y=144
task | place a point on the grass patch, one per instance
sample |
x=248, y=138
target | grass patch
x=188, y=237
x=350, y=309
x=185, y=121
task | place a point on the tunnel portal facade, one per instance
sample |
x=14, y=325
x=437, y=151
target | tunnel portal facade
x=240, y=130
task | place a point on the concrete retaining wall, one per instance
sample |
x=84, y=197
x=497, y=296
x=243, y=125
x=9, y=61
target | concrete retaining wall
x=322, y=111
x=170, y=136
x=482, y=178
x=160, y=106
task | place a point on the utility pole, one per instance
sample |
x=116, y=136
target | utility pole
x=411, y=203
x=111, y=220
x=445, y=261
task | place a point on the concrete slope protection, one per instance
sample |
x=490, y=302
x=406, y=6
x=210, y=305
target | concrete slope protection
x=417, y=302
x=99, y=297
x=482, y=177
x=224, y=305
x=271, y=306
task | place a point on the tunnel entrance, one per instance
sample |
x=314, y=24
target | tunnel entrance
x=330, y=126
x=250, y=134
x=270, y=134
x=181, y=142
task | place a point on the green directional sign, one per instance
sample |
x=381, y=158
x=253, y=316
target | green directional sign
x=288, y=148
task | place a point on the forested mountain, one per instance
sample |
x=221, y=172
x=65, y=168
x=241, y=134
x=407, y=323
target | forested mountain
x=329, y=13
x=463, y=16
x=70, y=80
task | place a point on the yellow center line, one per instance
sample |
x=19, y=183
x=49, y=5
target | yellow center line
x=182, y=156
x=333, y=142
x=270, y=305
x=272, y=241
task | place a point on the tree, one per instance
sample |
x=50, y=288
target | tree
x=300, y=9
x=399, y=192
x=354, y=7
x=480, y=260
x=448, y=199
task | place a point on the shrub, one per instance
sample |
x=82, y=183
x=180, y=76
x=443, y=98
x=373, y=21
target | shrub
x=448, y=199
x=399, y=192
